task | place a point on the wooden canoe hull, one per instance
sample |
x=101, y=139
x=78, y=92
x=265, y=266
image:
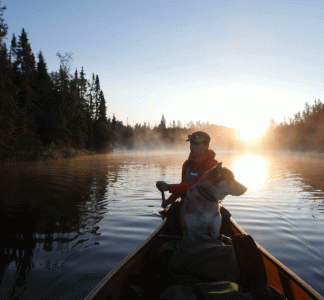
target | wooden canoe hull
x=279, y=276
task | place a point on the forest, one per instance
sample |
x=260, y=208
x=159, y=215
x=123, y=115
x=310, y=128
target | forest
x=58, y=114
x=302, y=132
x=62, y=114
x=42, y=111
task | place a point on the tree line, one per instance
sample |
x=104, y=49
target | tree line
x=42, y=111
x=174, y=135
x=302, y=132
x=39, y=109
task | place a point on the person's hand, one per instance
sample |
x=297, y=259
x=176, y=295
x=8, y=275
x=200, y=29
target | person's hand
x=162, y=186
x=164, y=205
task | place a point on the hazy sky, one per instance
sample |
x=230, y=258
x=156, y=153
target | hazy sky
x=232, y=63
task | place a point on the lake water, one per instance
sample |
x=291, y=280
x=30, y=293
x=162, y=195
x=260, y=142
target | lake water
x=65, y=224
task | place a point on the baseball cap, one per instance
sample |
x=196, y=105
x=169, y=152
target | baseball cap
x=199, y=137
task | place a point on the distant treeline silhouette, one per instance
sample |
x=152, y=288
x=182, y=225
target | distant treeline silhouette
x=303, y=132
x=174, y=136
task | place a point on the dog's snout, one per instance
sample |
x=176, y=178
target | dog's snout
x=244, y=189
x=239, y=189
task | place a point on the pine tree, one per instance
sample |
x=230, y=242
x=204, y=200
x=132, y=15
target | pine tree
x=76, y=83
x=26, y=58
x=306, y=112
x=102, y=115
x=64, y=101
x=27, y=101
x=83, y=84
x=114, y=123
x=13, y=49
x=8, y=107
x=3, y=25
x=4, y=51
x=91, y=96
x=47, y=110
x=162, y=123
x=78, y=122
x=97, y=97
x=113, y=131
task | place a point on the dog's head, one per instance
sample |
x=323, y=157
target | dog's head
x=220, y=182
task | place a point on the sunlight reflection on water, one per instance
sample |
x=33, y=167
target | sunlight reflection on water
x=83, y=216
x=250, y=170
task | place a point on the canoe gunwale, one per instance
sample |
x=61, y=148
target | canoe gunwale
x=283, y=269
x=130, y=262
x=95, y=293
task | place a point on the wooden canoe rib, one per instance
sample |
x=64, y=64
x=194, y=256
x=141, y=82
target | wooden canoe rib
x=279, y=276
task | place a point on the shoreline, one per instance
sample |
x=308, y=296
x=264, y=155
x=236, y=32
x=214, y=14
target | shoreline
x=50, y=153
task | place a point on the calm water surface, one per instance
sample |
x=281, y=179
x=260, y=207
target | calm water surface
x=65, y=224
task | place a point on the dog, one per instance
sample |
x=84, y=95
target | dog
x=200, y=212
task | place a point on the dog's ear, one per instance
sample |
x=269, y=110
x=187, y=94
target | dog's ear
x=217, y=170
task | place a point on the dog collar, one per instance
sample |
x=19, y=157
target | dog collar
x=205, y=195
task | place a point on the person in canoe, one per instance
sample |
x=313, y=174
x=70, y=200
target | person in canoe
x=200, y=160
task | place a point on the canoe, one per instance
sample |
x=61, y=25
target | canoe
x=279, y=276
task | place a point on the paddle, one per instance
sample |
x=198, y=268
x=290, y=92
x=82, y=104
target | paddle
x=163, y=198
x=163, y=212
x=160, y=188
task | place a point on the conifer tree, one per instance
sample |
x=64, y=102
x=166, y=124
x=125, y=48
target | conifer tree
x=26, y=58
x=78, y=122
x=13, y=49
x=91, y=96
x=3, y=25
x=41, y=67
x=83, y=84
x=102, y=109
x=97, y=97
x=4, y=51
x=64, y=101
x=114, y=123
x=162, y=123
x=113, y=129
x=27, y=99
x=8, y=107
x=47, y=109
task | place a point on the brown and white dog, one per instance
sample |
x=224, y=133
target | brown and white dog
x=200, y=212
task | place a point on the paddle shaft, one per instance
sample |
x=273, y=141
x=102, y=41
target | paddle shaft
x=163, y=198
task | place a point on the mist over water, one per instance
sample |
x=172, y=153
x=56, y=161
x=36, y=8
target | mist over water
x=65, y=224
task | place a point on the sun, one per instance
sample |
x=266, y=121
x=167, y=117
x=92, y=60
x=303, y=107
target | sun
x=251, y=130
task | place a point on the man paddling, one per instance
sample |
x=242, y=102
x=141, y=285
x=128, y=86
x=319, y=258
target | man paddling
x=201, y=159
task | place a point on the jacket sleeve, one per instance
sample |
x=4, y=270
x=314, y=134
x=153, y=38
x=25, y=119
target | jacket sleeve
x=172, y=198
x=179, y=189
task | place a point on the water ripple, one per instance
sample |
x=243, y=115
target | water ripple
x=83, y=216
